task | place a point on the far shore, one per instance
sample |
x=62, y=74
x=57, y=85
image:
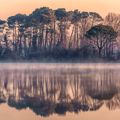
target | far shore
x=59, y=61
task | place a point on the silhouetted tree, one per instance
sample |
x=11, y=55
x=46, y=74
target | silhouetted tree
x=100, y=35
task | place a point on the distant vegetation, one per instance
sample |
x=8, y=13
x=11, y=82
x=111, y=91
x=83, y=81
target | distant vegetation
x=63, y=35
x=2, y=22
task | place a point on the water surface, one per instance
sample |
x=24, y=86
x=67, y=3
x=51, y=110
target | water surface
x=59, y=91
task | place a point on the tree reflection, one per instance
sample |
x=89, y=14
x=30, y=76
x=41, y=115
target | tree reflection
x=47, y=92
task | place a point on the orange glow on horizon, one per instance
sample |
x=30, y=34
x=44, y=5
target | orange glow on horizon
x=12, y=7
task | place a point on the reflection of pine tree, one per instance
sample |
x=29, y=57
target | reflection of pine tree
x=48, y=92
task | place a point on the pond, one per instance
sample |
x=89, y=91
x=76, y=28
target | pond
x=36, y=91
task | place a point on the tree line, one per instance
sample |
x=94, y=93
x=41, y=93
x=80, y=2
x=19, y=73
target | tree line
x=63, y=35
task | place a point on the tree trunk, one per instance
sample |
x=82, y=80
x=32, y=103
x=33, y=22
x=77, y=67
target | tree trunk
x=100, y=52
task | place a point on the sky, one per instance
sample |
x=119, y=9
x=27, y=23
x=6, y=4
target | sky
x=12, y=7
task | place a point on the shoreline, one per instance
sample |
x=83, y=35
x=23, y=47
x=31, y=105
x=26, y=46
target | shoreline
x=60, y=61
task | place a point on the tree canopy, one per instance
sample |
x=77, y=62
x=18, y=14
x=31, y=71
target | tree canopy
x=101, y=35
x=2, y=22
x=20, y=18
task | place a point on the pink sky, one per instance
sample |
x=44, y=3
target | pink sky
x=12, y=7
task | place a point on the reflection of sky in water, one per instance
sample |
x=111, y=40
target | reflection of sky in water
x=62, y=91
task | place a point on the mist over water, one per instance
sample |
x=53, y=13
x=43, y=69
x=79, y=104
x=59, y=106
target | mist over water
x=58, y=66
